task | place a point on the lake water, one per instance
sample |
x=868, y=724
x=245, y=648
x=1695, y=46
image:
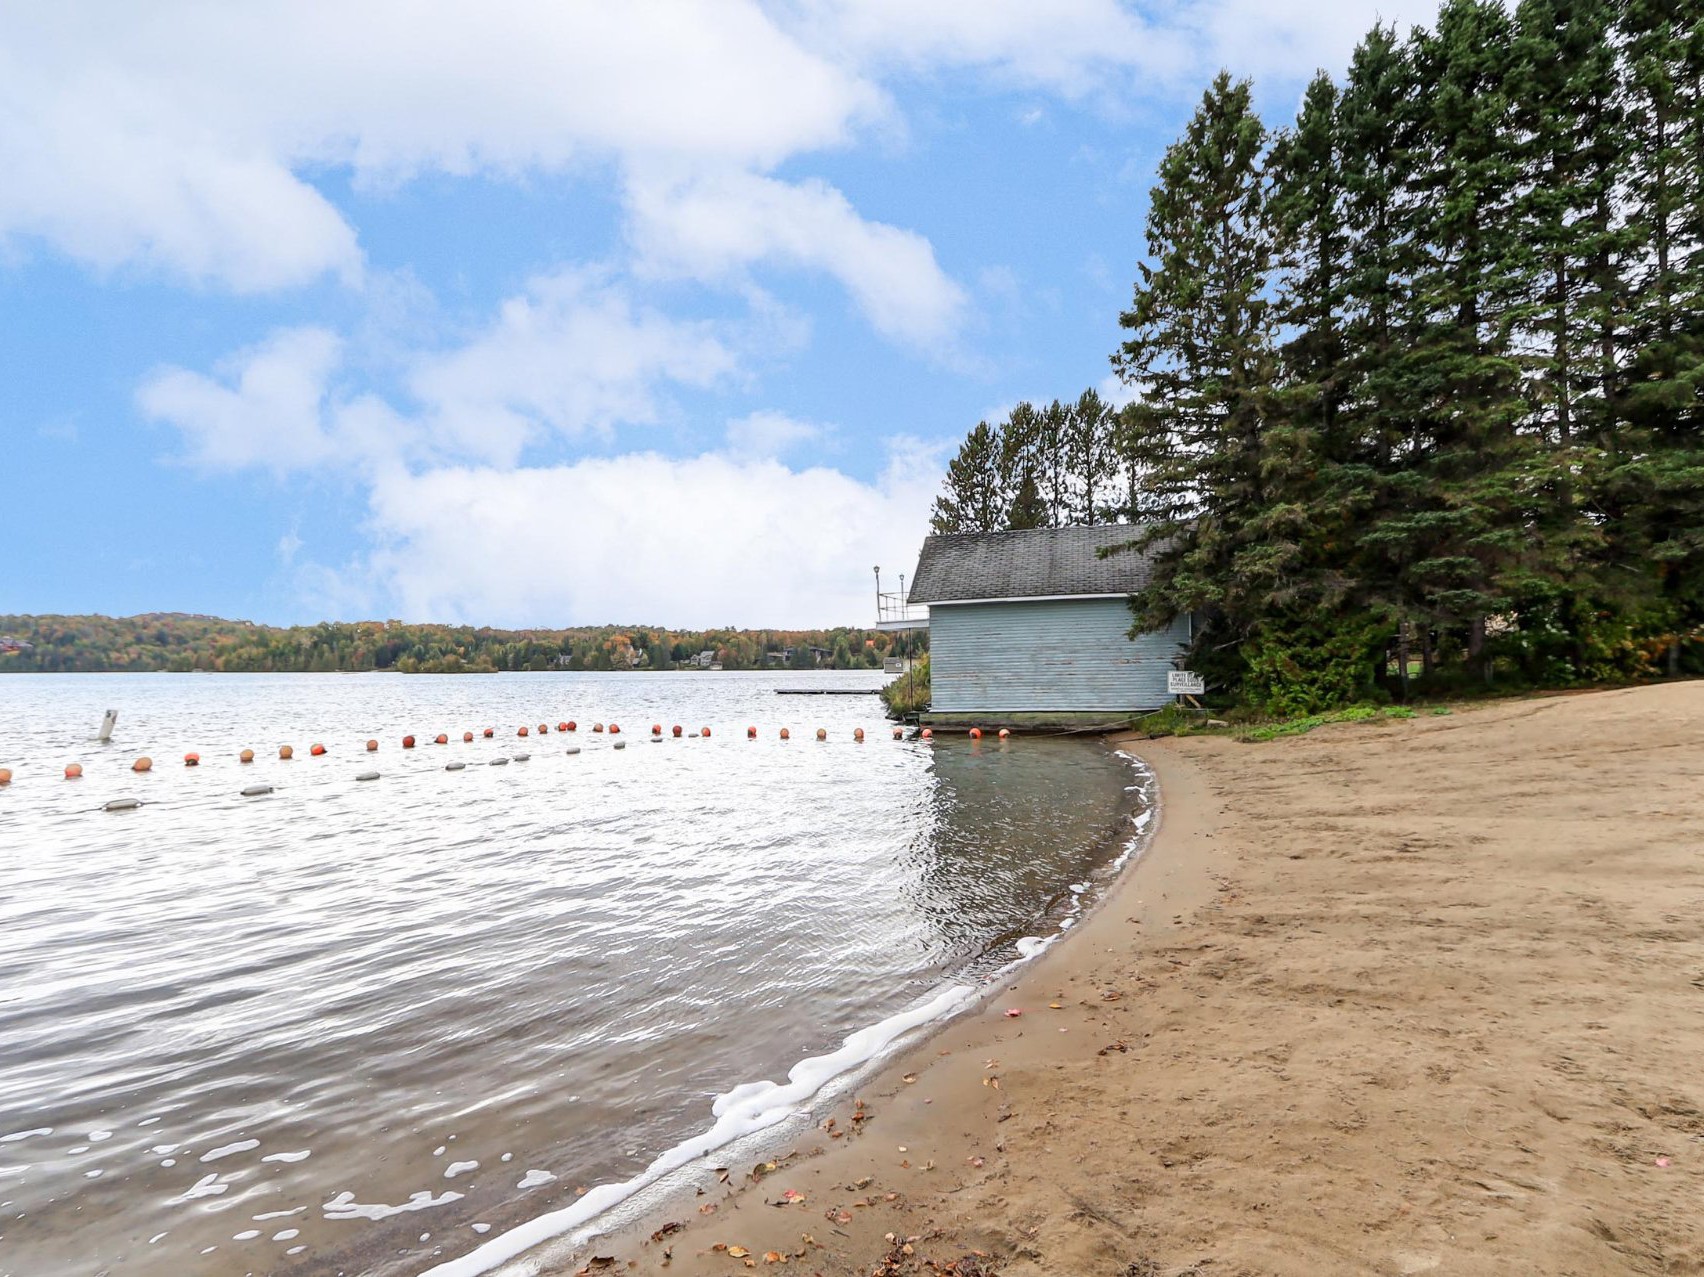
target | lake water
x=374, y=1026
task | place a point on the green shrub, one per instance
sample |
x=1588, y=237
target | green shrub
x=1313, y=666
x=908, y=694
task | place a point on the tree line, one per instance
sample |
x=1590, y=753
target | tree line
x=183, y=643
x=1419, y=376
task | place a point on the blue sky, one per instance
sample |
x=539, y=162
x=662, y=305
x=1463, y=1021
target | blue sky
x=553, y=313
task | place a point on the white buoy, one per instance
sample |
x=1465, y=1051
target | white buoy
x=621, y=744
x=454, y=767
x=104, y=736
x=123, y=804
x=368, y=776
x=573, y=749
x=256, y=791
x=499, y=762
x=521, y=758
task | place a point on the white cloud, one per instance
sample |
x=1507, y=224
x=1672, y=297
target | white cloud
x=176, y=134
x=266, y=408
x=763, y=436
x=710, y=540
x=574, y=354
x=717, y=225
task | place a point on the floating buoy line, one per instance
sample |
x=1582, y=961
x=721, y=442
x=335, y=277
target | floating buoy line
x=143, y=765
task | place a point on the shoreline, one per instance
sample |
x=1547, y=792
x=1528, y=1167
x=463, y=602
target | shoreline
x=640, y=1205
x=1398, y=997
x=657, y=1234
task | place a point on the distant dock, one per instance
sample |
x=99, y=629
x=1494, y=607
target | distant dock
x=828, y=691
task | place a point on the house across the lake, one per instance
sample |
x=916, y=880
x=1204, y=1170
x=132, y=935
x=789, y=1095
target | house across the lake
x=1032, y=628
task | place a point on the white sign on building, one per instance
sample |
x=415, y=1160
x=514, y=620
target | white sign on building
x=1184, y=683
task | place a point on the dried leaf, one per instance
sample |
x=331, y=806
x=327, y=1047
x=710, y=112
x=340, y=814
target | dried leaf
x=774, y=1257
x=909, y=1078
x=673, y=1226
x=738, y=1252
x=709, y=1208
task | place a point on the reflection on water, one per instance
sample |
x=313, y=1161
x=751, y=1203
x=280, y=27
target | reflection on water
x=362, y=1025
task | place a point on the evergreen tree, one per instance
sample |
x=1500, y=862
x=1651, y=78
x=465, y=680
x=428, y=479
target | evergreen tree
x=976, y=499
x=1028, y=510
x=1201, y=352
x=1089, y=458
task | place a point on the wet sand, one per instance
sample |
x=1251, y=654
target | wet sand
x=1393, y=998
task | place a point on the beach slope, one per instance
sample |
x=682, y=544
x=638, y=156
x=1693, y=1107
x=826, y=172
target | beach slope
x=1407, y=997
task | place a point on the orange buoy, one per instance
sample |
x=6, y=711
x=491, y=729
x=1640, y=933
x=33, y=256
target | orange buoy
x=928, y=735
x=572, y=726
x=657, y=729
x=597, y=727
x=5, y=775
x=442, y=738
x=822, y=733
x=408, y=742
x=284, y=751
x=703, y=731
x=1005, y=733
x=489, y=732
x=544, y=729
x=372, y=747
x=247, y=756
x=751, y=733
x=192, y=760
x=142, y=764
x=614, y=729
x=73, y=771
x=677, y=729
x=899, y=733
x=563, y=727
x=316, y=750
x=466, y=737
x=976, y=733
x=520, y=731
x=858, y=734
x=786, y=735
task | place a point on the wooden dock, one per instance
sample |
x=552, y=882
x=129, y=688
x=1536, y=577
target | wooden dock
x=828, y=691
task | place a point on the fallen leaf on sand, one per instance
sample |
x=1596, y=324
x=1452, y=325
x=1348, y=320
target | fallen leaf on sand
x=975, y=1161
x=1056, y=1006
x=773, y=1257
x=909, y=1078
x=738, y=1252
x=1013, y=1013
x=709, y=1208
x=673, y=1226
x=1662, y=1161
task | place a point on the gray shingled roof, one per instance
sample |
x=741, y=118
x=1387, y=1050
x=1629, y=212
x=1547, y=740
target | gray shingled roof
x=1036, y=563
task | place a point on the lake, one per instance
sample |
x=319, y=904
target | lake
x=374, y=1026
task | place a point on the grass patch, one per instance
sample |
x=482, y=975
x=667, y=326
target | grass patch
x=1301, y=726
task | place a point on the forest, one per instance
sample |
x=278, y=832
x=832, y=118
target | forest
x=1417, y=379
x=180, y=642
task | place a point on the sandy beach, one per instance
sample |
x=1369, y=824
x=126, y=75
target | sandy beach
x=1401, y=997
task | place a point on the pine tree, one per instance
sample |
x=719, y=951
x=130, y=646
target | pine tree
x=1028, y=510
x=976, y=497
x=1088, y=456
x=1201, y=354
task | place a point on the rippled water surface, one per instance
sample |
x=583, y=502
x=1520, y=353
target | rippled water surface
x=363, y=1026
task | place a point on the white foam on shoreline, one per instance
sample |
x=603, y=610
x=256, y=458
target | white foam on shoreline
x=755, y=1106
x=745, y=1110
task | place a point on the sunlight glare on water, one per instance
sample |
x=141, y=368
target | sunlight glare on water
x=362, y=1025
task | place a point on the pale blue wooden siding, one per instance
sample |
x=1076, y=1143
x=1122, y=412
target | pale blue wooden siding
x=1054, y=654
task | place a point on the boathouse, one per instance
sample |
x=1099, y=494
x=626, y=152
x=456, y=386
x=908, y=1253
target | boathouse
x=1032, y=627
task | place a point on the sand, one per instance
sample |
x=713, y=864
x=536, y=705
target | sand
x=1405, y=997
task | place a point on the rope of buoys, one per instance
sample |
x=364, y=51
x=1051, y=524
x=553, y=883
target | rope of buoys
x=441, y=738
x=317, y=751
x=284, y=751
x=247, y=756
x=123, y=804
x=142, y=764
x=256, y=791
x=408, y=742
x=73, y=771
x=192, y=760
x=367, y=776
x=372, y=747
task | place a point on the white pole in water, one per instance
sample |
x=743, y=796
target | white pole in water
x=107, y=724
